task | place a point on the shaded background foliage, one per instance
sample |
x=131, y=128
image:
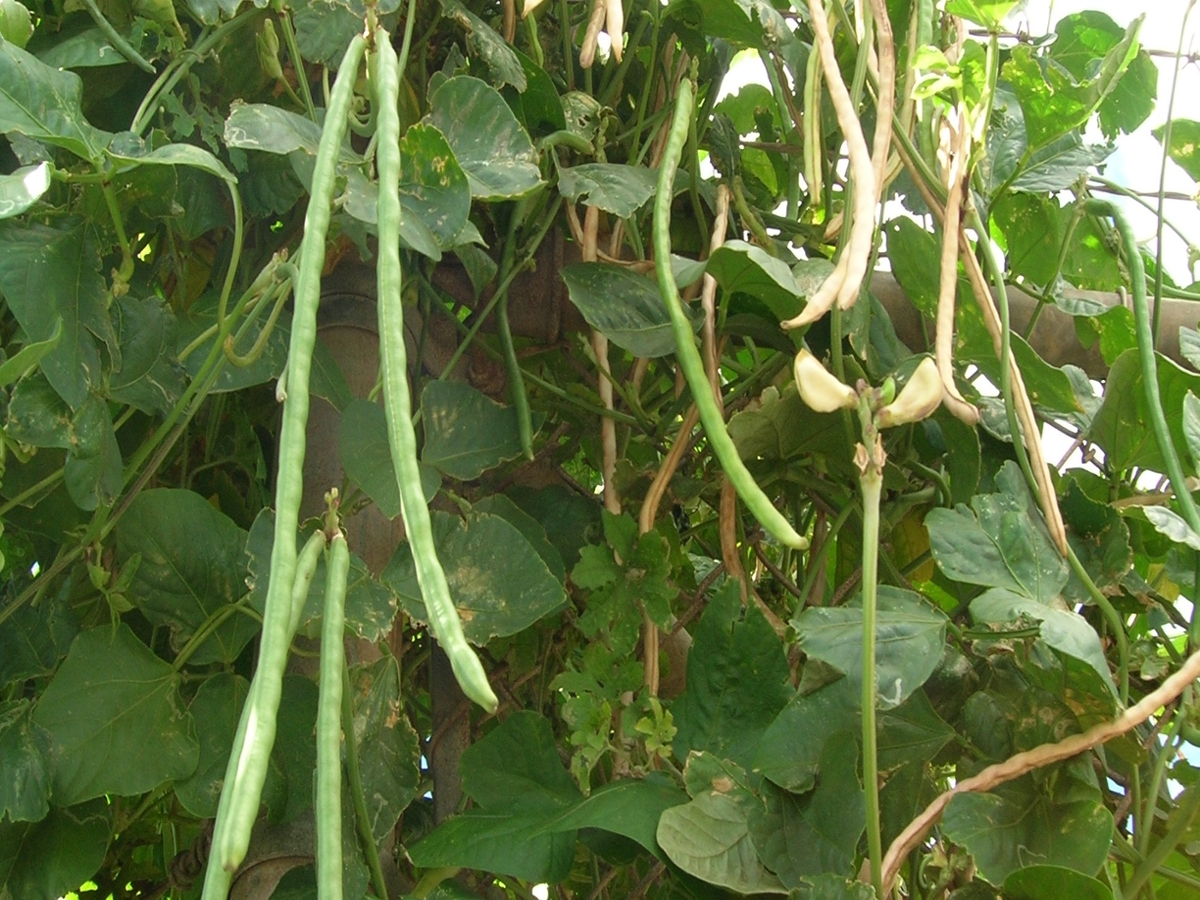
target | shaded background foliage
x=156, y=160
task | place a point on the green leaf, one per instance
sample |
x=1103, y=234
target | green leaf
x=24, y=747
x=201, y=316
x=112, y=692
x=1052, y=100
x=488, y=141
x=833, y=887
x=1191, y=426
x=1054, y=883
x=324, y=28
x=737, y=682
x=261, y=126
x=531, y=529
x=1000, y=545
x=1184, y=147
x=502, y=62
x=51, y=276
x=911, y=733
x=48, y=859
x=433, y=185
x=629, y=807
x=388, y=748
x=498, y=583
x=988, y=13
x=466, y=433
x=24, y=187
x=740, y=267
x=818, y=833
x=909, y=634
x=192, y=565
x=128, y=148
x=515, y=776
x=783, y=427
x=1062, y=629
x=288, y=791
x=26, y=359
x=1119, y=426
x=1085, y=37
x=16, y=25
x=1060, y=821
x=96, y=478
x=43, y=104
x=1169, y=523
x=367, y=457
x=617, y=189
x=215, y=710
x=150, y=379
x=710, y=838
x=623, y=305
x=370, y=606
x=35, y=637
x=85, y=49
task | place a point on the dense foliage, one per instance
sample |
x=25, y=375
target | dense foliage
x=680, y=687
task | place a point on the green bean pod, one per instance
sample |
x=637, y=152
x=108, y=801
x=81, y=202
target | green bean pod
x=306, y=567
x=685, y=341
x=329, y=724
x=443, y=617
x=247, y=768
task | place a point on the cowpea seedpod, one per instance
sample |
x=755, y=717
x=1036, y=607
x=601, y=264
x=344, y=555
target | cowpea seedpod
x=916, y=400
x=818, y=387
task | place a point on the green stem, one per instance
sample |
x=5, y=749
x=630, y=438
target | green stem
x=119, y=43
x=293, y=48
x=1184, y=813
x=871, y=481
x=354, y=776
x=1145, y=340
x=114, y=210
x=1111, y=616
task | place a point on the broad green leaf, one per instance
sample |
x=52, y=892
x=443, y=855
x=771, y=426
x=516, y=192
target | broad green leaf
x=1170, y=523
x=215, y=710
x=261, y=126
x=466, y=433
x=112, y=692
x=710, y=838
x=1184, y=147
x=1062, y=629
x=1000, y=545
x=89, y=48
x=489, y=143
x=23, y=361
x=531, y=529
x=741, y=267
x=515, y=776
x=911, y=733
x=617, y=189
x=508, y=844
x=914, y=254
x=783, y=427
x=737, y=682
x=909, y=634
x=815, y=834
x=834, y=887
x=150, y=378
x=324, y=28
x=35, y=636
x=288, y=791
x=432, y=183
x=498, y=583
x=570, y=520
x=502, y=62
x=129, y=149
x=43, y=104
x=46, y=860
x=1120, y=425
x=1189, y=345
x=24, y=747
x=1054, y=883
x=367, y=457
x=388, y=748
x=95, y=477
x=1191, y=426
x=48, y=276
x=38, y=416
x=1060, y=821
x=1033, y=227
x=624, y=306
x=370, y=606
x=1085, y=37
x=988, y=13
x=744, y=23
x=16, y=25
x=630, y=807
x=192, y=565
x=1053, y=101
x=24, y=187
x=201, y=316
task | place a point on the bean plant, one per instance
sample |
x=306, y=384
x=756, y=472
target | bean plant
x=687, y=516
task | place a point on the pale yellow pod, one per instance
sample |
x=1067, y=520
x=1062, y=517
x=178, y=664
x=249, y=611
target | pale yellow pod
x=818, y=387
x=917, y=400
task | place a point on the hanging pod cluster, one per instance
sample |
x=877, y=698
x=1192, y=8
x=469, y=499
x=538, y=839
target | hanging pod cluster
x=292, y=572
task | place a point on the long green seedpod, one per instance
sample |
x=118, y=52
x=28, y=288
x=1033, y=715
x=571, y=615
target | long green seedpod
x=443, y=617
x=685, y=341
x=247, y=770
x=329, y=725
